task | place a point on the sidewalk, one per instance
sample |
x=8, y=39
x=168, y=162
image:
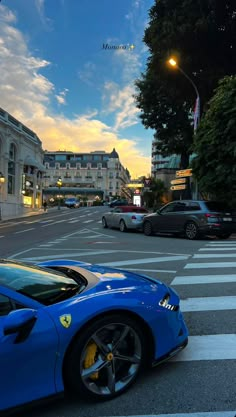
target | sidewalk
x=32, y=213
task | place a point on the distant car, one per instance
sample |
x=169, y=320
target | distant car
x=72, y=202
x=116, y=203
x=125, y=217
x=85, y=328
x=193, y=219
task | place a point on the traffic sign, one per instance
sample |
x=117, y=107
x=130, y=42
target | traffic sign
x=178, y=187
x=147, y=182
x=184, y=173
x=179, y=181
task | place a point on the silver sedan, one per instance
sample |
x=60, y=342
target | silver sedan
x=124, y=218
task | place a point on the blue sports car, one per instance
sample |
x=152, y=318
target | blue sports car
x=68, y=325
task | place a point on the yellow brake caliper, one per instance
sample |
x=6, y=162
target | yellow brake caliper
x=91, y=352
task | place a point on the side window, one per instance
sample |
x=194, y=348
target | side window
x=117, y=210
x=167, y=209
x=194, y=207
x=5, y=305
x=179, y=207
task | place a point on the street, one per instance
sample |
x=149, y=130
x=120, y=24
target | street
x=202, y=378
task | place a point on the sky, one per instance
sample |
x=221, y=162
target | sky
x=68, y=69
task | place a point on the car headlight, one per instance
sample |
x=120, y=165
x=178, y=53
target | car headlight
x=165, y=303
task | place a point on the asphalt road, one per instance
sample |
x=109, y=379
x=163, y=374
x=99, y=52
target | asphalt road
x=202, y=378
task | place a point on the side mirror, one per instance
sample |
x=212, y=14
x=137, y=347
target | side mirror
x=20, y=322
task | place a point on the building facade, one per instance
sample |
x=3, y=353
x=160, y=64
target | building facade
x=95, y=175
x=21, y=167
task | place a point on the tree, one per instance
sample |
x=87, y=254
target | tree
x=202, y=35
x=215, y=144
x=154, y=197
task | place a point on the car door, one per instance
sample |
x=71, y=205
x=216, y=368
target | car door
x=162, y=219
x=27, y=365
x=116, y=216
x=170, y=217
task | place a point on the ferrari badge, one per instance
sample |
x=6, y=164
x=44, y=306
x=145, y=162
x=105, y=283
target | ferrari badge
x=66, y=320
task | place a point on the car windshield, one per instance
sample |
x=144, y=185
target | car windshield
x=40, y=284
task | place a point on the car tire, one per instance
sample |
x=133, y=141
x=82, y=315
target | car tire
x=123, y=227
x=104, y=223
x=147, y=229
x=191, y=230
x=224, y=235
x=106, y=358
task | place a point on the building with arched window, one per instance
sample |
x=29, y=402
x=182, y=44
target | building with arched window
x=21, y=167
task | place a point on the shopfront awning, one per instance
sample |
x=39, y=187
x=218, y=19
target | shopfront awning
x=29, y=160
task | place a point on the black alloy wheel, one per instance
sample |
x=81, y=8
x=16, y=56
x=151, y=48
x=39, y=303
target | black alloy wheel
x=147, y=228
x=104, y=223
x=191, y=230
x=123, y=227
x=106, y=358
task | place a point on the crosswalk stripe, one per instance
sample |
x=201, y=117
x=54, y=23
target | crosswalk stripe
x=208, y=348
x=210, y=265
x=217, y=249
x=204, y=414
x=208, y=304
x=73, y=221
x=88, y=221
x=212, y=255
x=203, y=279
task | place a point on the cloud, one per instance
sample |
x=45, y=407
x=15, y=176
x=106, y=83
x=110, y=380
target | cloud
x=61, y=97
x=86, y=74
x=40, y=6
x=27, y=95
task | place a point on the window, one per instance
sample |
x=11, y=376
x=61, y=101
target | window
x=193, y=207
x=180, y=207
x=5, y=305
x=12, y=169
x=168, y=209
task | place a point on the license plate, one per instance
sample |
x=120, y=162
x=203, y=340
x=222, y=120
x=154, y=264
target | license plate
x=227, y=219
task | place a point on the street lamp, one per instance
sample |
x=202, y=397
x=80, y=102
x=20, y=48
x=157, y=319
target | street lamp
x=172, y=61
x=59, y=184
x=2, y=178
x=174, y=64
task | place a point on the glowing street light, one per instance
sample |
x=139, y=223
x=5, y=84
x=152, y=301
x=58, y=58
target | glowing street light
x=59, y=184
x=172, y=61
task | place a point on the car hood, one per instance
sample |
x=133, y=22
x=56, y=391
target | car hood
x=97, y=275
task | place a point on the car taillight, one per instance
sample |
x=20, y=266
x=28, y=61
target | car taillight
x=133, y=217
x=211, y=215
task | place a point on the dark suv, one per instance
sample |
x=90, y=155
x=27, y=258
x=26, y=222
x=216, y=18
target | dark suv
x=192, y=219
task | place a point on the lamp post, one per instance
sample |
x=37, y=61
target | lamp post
x=59, y=184
x=174, y=64
x=2, y=180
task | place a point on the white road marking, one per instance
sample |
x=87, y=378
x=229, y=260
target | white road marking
x=24, y=231
x=88, y=221
x=208, y=304
x=203, y=279
x=212, y=255
x=46, y=221
x=222, y=243
x=100, y=221
x=45, y=246
x=72, y=255
x=208, y=348
x=1, y=237
x=19, y=253
x=217, y=248
x=211, y=265
x=205, y=414
x=144, y=261
x=150, y=270
x=73, y=221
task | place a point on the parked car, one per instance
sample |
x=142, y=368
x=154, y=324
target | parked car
x=87, y=328
x=121, y=202
x=124, y=218
x=193, y=219
x=72, y=202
